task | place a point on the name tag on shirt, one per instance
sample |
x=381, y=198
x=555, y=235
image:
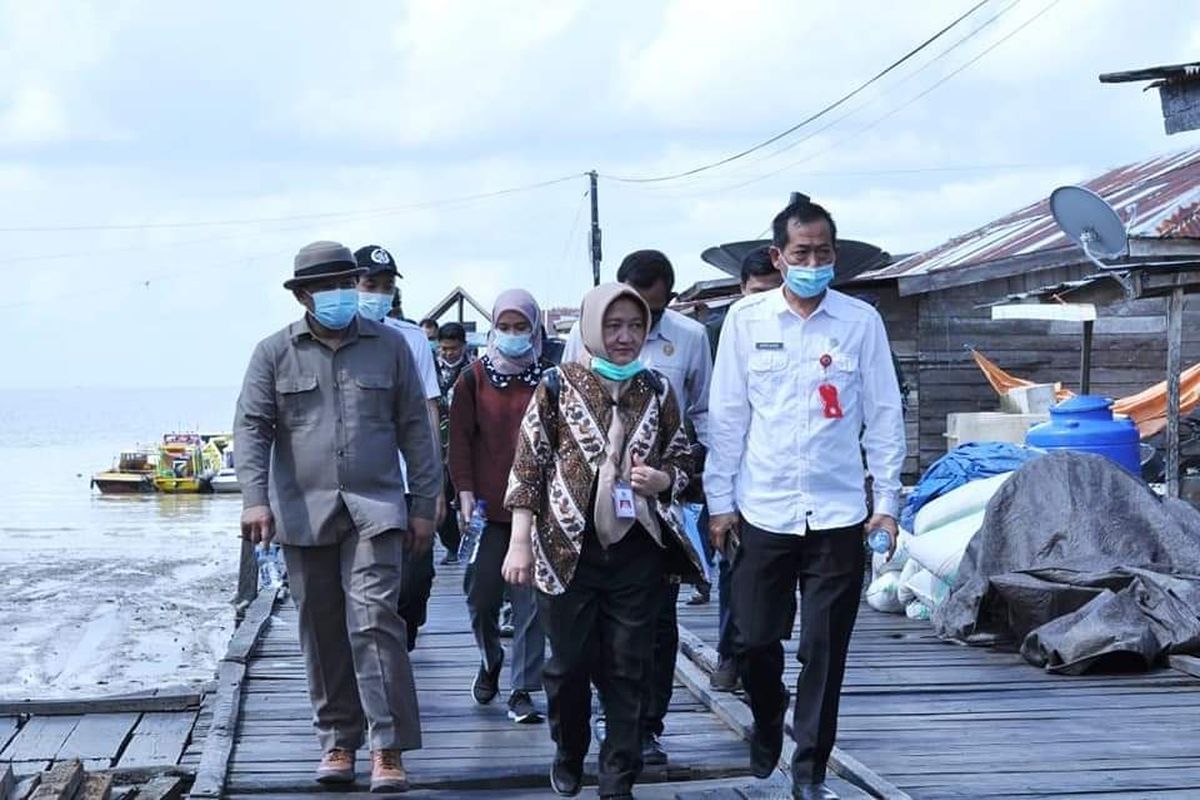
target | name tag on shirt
x=623, y=500
x=768, y=345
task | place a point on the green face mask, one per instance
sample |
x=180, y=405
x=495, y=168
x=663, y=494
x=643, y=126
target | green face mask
x=606, y=369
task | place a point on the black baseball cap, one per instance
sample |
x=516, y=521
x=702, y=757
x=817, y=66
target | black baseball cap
x=376, y=261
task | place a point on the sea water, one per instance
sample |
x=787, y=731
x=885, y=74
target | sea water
x=103, y=594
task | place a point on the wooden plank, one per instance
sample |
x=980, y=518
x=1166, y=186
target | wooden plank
x=26, y=786
x=1174, y=368
x=248, y=632
x=96, y=787
x=219, y=742
x=161, y=789
x=8, y=729
x=159, y=739
x=98, y=737
x=1189, y=665
x=176, y=701
x=61, y=782
x=694, y=669
x=40, y=739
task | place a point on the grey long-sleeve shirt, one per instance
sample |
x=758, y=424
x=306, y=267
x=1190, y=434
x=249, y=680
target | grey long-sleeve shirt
x=317, y=430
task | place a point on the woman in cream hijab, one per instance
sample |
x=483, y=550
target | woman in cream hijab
x=601, y=462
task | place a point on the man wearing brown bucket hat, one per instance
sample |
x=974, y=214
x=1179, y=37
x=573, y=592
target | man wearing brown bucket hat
x=325, y=403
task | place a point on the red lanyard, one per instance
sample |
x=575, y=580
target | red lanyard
x=829, y=393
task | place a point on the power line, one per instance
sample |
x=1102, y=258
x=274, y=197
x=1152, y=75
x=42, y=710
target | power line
x=298, y=217
x=811, y=118
x=875, y=123
x=851, y=112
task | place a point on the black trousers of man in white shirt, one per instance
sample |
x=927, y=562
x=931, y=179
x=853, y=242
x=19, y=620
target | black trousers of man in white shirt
x=827, y=566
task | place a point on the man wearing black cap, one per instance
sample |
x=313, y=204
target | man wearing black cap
x=376, y=290
x=324, y=406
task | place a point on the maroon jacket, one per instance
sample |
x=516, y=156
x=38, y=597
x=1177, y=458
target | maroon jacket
x=485, y=424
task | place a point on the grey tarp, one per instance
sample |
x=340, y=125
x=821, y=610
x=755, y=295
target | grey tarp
x=1083, y=566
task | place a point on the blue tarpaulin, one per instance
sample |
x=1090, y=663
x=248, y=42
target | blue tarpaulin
x=963, y=464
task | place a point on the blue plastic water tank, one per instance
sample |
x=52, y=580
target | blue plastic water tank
x=1086, y=423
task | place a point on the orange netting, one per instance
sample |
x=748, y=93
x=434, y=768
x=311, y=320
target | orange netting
x=1148, y=408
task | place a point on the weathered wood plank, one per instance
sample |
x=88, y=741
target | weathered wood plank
x=175, y=701
x=8, y=729
x=159, y=739
x=61, y=782
x=98, y=737
x=7, y=780
x=40, y=739
x=161, y=789
x=221, y=735
x=96, y=787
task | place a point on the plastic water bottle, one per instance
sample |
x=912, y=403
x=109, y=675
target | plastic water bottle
x=879, y=540
x=468, y=548
x=270, y=566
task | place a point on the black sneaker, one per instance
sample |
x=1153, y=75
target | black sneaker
x=506, y=622
x=487, y=683
x=725, y=677
x=653, y=754
x=450, y=559
x=566, y=778
x=701, y=594
x=521, y=709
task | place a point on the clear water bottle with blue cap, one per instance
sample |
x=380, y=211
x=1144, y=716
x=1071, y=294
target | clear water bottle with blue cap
x=271, y=570
x=468, y=548
x=879, y=541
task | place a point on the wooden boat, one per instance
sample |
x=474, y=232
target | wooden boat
x=187, y=463
x=133, y=474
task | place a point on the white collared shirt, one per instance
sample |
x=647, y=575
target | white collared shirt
x=418, y=345
x=773, y=455
x=678, y=348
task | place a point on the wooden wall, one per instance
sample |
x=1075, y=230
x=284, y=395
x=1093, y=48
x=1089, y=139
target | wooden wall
x=1129, y=348
x=900, y=316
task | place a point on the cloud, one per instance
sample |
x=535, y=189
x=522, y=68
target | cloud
x=46, y=49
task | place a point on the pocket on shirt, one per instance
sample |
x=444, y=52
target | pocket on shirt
x=766, y=374
x=299, y=401
x=374, y=396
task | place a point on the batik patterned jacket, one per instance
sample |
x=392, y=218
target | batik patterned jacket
x=560, y=451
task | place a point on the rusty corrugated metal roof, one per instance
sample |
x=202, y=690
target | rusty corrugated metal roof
x=1158, y=199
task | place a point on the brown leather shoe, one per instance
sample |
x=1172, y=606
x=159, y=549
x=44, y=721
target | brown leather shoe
x=337, y=766
x=387, y=772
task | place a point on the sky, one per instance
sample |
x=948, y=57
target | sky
x=162, y=162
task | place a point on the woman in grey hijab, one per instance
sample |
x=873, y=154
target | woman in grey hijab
x=489, y=403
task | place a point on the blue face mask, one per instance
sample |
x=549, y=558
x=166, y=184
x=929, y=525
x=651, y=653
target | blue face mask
x=807, y=282
x=606, y=369
x=335, y=308
x=374, y=306
x=514, y=345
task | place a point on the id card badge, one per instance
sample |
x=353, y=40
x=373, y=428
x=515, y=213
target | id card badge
x=623, y=500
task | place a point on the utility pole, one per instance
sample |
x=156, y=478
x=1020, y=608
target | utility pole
x=595, y=231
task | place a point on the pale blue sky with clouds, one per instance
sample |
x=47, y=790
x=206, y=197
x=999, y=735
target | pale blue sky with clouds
x=148, y=140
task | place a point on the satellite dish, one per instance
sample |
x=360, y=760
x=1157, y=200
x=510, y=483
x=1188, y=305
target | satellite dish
x=1089, y=220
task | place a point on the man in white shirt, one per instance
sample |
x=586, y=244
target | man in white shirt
x=803, y=385
x=376, y=293
x=678, y=348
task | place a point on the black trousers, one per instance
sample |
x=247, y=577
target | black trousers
x=828, y=568
x=416, y=584
x=662, y=662
x=600, y=631
x=448, y=531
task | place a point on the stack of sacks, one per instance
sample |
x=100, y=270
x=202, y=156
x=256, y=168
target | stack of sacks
x=922, y=572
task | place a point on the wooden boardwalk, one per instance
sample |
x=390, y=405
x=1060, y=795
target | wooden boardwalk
x=470, y=750
x=944, y=721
